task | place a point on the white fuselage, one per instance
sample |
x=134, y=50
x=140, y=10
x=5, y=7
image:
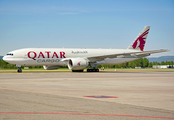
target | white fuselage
x=53, y=56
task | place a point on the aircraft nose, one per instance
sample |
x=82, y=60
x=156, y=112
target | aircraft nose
x=5, y=58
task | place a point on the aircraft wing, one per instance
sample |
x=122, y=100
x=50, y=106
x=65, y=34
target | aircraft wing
x=139, y=53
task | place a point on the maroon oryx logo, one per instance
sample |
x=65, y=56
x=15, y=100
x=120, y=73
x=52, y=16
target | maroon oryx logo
x=78, y=63
x=141, y=40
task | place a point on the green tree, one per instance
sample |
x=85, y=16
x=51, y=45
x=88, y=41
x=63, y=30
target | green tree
x=162, y=63
x=145, y=62
x=150, y=64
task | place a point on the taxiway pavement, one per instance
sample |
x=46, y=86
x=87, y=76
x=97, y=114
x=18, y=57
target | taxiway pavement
x=63, y=95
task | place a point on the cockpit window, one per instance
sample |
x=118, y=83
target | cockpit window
x=10, y=54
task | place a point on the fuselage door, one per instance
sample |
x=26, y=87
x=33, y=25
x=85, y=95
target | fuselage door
x=25, y=56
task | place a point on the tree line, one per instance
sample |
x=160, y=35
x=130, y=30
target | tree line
x=142, y=62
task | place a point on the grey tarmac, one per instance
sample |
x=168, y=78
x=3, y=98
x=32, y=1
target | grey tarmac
x=61, y=95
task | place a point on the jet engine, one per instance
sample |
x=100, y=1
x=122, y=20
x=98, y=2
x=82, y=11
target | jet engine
x=77, y=63
x=51, y=67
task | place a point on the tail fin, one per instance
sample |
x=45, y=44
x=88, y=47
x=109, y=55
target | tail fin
x=140, y=40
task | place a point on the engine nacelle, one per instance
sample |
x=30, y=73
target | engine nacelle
x=51, y=67
x=77, y=64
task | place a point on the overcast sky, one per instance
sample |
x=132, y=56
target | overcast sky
x=85, y=24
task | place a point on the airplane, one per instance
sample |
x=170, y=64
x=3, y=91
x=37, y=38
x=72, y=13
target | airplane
x=78, y=59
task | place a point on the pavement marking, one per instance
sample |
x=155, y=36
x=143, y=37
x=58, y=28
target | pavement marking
x=87, y=114
x=87, y=90
x=100, y=96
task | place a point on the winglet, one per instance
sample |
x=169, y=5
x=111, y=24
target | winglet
x=139, y=42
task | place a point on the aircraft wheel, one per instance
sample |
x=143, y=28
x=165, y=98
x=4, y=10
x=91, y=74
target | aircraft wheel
x=92, y=70
x=77, y=70
x=19, y=71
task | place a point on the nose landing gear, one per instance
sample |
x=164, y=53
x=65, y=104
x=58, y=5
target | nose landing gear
x=19, y=68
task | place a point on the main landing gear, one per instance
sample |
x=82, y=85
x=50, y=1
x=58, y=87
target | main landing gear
x=88, y=70
x=92, y=70
x=77, y=70
x=92, y=65
x=19, y=68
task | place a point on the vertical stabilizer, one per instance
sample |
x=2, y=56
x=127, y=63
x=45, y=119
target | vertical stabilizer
x=139, y=42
